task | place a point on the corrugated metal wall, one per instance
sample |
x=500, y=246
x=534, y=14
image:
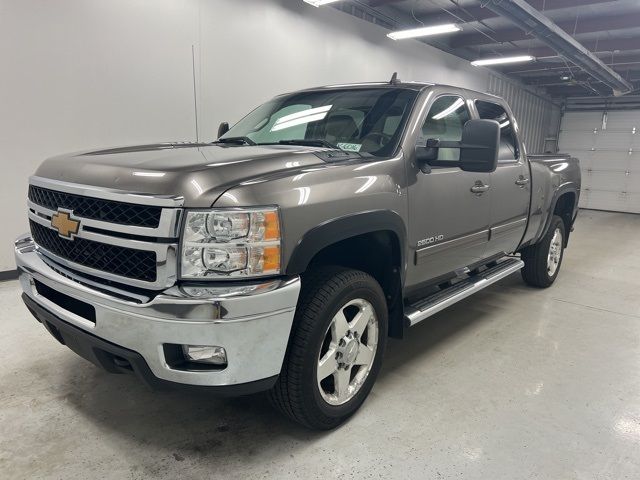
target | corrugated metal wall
x=538, y=118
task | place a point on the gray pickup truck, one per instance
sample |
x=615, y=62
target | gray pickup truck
x=280, y=257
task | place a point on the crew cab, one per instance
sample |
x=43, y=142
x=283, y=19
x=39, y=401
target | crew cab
x=281, y=256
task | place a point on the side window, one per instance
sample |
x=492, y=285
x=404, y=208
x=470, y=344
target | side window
x=508, y=143
x=445, y=121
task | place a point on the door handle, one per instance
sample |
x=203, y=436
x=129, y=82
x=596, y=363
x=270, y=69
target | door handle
x=479, y=188
x=522, y=181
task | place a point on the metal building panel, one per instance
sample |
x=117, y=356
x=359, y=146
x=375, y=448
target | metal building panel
x=531, y=112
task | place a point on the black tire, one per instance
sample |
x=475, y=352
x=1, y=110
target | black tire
x=296, y=393
x=535, y=271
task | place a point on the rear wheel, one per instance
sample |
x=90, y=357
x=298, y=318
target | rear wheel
x=542, y=261
x=335, y=350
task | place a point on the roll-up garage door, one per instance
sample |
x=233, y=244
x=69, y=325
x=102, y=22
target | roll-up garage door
x=608, y=146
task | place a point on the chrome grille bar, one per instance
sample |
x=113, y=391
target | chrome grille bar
x=162, y=240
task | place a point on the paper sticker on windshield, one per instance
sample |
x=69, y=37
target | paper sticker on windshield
x=350, y=147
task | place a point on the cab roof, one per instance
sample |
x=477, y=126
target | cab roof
x=363, y=85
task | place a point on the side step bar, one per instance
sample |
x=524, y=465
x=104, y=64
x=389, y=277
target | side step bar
x=428, y=306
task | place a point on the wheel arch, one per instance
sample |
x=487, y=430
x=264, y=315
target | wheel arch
x=563, y=204
x=369, y=241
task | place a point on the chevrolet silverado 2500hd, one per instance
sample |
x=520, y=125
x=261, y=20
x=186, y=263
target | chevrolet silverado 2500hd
x=281, y=256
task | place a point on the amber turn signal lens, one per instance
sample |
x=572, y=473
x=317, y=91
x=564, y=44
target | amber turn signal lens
x=272, y=226
x=271, y=259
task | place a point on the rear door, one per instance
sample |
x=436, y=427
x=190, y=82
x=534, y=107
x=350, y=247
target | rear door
x=448, y=223
x=510, y=183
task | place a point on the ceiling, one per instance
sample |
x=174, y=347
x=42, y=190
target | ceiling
x=609, y=29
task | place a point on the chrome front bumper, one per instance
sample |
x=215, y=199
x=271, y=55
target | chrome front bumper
x=252, y=322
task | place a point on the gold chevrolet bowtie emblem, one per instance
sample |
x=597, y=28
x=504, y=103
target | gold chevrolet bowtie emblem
x=64, y=224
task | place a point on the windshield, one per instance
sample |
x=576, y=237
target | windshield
x=368, y=121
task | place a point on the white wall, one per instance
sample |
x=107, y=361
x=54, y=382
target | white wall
x=78, y=74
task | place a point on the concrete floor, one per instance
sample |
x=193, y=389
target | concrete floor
x=512, y=383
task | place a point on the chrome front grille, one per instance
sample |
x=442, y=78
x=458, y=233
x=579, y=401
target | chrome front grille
x=97, y=208
x=123, y=261
x=127, y=238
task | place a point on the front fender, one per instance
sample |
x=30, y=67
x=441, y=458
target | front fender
x=342, y=228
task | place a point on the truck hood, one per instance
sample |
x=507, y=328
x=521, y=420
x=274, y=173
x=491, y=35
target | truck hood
x=199, y=173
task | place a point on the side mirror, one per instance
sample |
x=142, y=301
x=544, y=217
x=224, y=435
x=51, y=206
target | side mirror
x=427, y=154
x=223, y=128
x=479, y=146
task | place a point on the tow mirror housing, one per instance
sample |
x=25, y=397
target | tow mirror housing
x=478, y=148
x=222, y=129
x=480, y=144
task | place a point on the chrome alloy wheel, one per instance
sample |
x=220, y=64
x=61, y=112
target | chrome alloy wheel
x=347, y=352
x=555, y=253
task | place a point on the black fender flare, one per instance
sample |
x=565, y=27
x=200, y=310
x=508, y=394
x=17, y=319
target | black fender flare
x=342, y=228
x=566, y=188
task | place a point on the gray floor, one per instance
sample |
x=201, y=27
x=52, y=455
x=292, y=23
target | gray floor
x=512, y=383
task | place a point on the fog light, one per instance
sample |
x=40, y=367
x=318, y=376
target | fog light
x=205, y=354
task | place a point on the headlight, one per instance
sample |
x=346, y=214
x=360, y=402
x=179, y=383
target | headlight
x=231, y=243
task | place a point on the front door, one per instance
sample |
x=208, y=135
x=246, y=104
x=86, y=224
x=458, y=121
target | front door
x=448, y=208
x=510, y=184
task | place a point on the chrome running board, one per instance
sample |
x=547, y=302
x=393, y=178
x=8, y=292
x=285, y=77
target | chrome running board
x=428, y=306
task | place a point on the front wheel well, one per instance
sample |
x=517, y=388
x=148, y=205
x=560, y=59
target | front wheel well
x=378, y=254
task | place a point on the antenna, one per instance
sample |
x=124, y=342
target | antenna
x=394, y=79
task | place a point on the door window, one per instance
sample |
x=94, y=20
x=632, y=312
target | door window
x=508, y=151
x=445, y=121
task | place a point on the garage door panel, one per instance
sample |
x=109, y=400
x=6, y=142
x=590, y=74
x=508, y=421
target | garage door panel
x=576, y=141
x=613, y=181
x=586, y=178
x=581, y=121
x=609, y=160
x=610, y=140
x=633, y=182
x=623, y=120
x=611, y=171
x=604, y=200
x=633, y=202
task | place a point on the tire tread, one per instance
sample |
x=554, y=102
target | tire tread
x=319, y=287
x=534, y=271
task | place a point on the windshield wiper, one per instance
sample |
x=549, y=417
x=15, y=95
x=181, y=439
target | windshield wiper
x=238, y=140
x=310, y=143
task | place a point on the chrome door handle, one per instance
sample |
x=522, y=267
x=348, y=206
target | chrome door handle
x=522, y=181
x=479, y=188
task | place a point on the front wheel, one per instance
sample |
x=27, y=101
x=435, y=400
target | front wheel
x=542, y=261
x=335, y=350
